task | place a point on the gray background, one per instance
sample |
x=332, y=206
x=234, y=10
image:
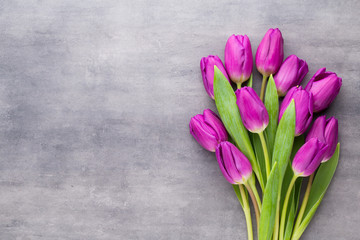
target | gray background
x=95, y=100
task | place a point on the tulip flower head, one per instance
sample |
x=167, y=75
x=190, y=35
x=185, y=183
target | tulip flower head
x=238, y=58
x=290, y=74
x=324, y=86
x=252, y=110
x=270, y=52
x=309, y=157
x=303, y=108
x=208, y=130
x=327, y=132
x=207, y=71
x=234, y=165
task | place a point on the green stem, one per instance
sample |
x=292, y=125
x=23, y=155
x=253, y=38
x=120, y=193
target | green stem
x=295, y=236
x=257, y=197
x=266, y=153
x=247, y=213
x=259, y=177
x=263, y=85
x=284, y=210
x=257, y=171
x=276, y=227
x=238, y=85
x=304, y=202
x=255, y=204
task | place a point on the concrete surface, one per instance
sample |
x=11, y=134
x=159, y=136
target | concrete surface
x=95, y=100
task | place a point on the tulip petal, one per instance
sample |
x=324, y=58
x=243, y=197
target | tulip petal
x=324, y=86
x=207, y=71
x=208, y=130
x=211, y=119
x=220, y=160
x=203, y=134
x=238, y=58
x=331, y=136
x=270, y=52
x=315, y=163
x=317, y=130
x=309, y=157
x=252, y=110
x=303, y=105
x=304, y=156
x=234, y=165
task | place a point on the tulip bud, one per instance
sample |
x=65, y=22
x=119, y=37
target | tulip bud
x=208, y=130
x=207, y=71
x=270, y=52
x=303, y=108
x=324, y=86
x=309, y=157
x=252, y=110
x=233, y=163
x=290, y=74
x=238, y=58
x=327, y=132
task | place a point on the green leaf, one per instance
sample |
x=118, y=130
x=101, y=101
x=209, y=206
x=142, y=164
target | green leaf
x=238, y=194
x=225, y=100
x=284, y=139
x=321, y=183
x=268, y=210
x=272, y=106
x=250, y=81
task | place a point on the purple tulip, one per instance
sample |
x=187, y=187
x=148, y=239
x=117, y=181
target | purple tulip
x=303, y=108
x=309, y=157
x=327, y=132
x=252, y=110
x=208, y=130
x=207, y=70
x=238, y=58
x=290, y=74
x=233, y=163
x=324, y=86
x=270, y=52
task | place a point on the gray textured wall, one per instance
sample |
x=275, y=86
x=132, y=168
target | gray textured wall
x=95, y=100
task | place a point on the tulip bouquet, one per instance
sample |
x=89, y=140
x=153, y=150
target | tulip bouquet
x=260, y=144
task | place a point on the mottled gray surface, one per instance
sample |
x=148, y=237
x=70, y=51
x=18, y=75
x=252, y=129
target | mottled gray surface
x=95, y=100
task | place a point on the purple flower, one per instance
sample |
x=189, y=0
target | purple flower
x=208, y=130
x=290, y=74
x=309, y=157
x=327, y=132
x=303, y=108
x=233, y=164
x=252, y=110
x=324, y=86
x=270, y=52
x=238, y=58
x=207, y=70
